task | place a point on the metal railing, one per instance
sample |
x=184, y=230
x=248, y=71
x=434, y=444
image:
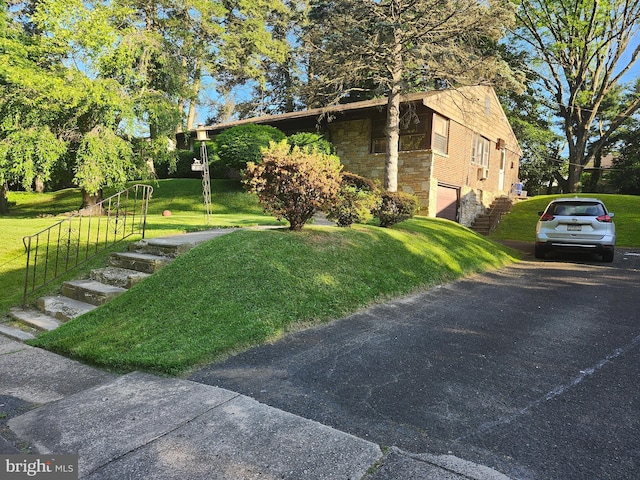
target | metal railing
x=495, y=215
x=54, y=251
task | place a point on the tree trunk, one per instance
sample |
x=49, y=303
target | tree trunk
x=90, y=203
x=393, y=140
x=393, y=120
x=575, y=176
x=193, y=102
x=39, y=185
x=595, y=176
x=4, y=201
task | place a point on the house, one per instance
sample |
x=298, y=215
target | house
x=457, y=153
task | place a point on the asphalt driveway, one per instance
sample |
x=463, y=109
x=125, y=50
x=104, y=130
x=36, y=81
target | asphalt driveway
x=532, y=370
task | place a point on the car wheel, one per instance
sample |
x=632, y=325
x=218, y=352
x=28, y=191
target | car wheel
x=539, y=252
x=607, y=256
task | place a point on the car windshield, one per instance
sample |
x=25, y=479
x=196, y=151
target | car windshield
x=583, y=209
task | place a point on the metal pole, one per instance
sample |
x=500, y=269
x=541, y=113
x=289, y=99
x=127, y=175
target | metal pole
x=206, y=181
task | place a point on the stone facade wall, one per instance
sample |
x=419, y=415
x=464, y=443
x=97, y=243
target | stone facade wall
x=352, y=142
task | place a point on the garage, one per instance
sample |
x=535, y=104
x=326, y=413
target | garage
x=447, y=202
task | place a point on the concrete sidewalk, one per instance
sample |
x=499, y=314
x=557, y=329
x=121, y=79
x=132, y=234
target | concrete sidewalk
x=144, y=426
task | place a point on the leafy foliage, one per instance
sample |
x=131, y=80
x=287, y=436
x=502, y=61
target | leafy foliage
x=396, y=207
x=624, y=176
x=583, y=51
x=353, y=205
x=357, y=198
x=103, y=160
x=292, y=183
x=27, y=154
x=240, y=145
x=310, y=141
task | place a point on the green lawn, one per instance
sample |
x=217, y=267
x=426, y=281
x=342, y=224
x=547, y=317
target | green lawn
x=520, y=223
x=183, y=197
x=249, y=287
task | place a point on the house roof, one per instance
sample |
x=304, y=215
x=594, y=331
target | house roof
x=317, y=112
x=462, y=105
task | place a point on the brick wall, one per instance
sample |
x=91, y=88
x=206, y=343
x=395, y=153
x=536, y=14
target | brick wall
x=419, y=172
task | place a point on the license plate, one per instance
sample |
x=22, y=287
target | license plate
x=574, y=228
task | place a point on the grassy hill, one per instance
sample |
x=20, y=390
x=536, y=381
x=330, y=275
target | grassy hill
x=249, y=287
x=31, y=212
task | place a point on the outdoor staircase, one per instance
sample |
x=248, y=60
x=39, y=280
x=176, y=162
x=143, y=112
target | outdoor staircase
x=77, y=297
x=485, y=223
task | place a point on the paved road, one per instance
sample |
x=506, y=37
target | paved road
x=532, y=370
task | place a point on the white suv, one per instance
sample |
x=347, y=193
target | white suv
x=576, y=224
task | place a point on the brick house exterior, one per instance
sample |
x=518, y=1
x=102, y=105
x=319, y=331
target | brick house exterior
x=458, y=151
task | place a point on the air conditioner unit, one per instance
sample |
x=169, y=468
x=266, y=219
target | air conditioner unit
x=483, y=173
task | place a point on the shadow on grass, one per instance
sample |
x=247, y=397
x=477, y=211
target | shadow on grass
x=249, y=287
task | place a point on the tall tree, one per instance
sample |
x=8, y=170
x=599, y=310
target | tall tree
x=277, y=88
x=51, y=108
x=401, y=46
x=584, y=48
x=624, y=174
x=541, y=165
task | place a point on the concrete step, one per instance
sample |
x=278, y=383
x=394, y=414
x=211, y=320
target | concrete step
x=144, y=246
x=118, y=277
x=175, y=245
x=15, y=333
x=63, y=308
x=141, y=262
x=34, y=318
x=90, y=291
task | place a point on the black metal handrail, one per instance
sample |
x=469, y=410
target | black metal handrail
x=54, y=251
x=495, y=216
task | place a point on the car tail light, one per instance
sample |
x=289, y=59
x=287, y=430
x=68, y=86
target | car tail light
x=604, y=218
x=546, y=217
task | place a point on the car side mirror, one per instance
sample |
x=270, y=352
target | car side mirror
x=540, y=214
x=611, y=214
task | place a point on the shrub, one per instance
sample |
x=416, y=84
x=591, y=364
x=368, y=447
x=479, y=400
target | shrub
x=240, y=145
x=182, y=167
x=310, y=141
x=357, y=197
x=361, y=183
x=294, y=184
x=352, y=205
x=396, y=207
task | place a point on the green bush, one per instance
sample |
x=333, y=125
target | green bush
x=183, y=166
x=352, y=206
x=310, y=141
x=237, y=146
x=361, y=183
x=396, y=207
x=357, y=197
x=292, y=183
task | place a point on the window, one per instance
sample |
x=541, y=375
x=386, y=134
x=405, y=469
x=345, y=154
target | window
x=413, y=136
x=440, y=138
x=480, y=151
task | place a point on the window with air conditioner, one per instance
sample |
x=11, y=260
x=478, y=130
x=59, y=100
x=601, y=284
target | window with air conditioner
x=480, y=151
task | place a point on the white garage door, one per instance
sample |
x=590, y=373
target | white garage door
x=447, y=203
